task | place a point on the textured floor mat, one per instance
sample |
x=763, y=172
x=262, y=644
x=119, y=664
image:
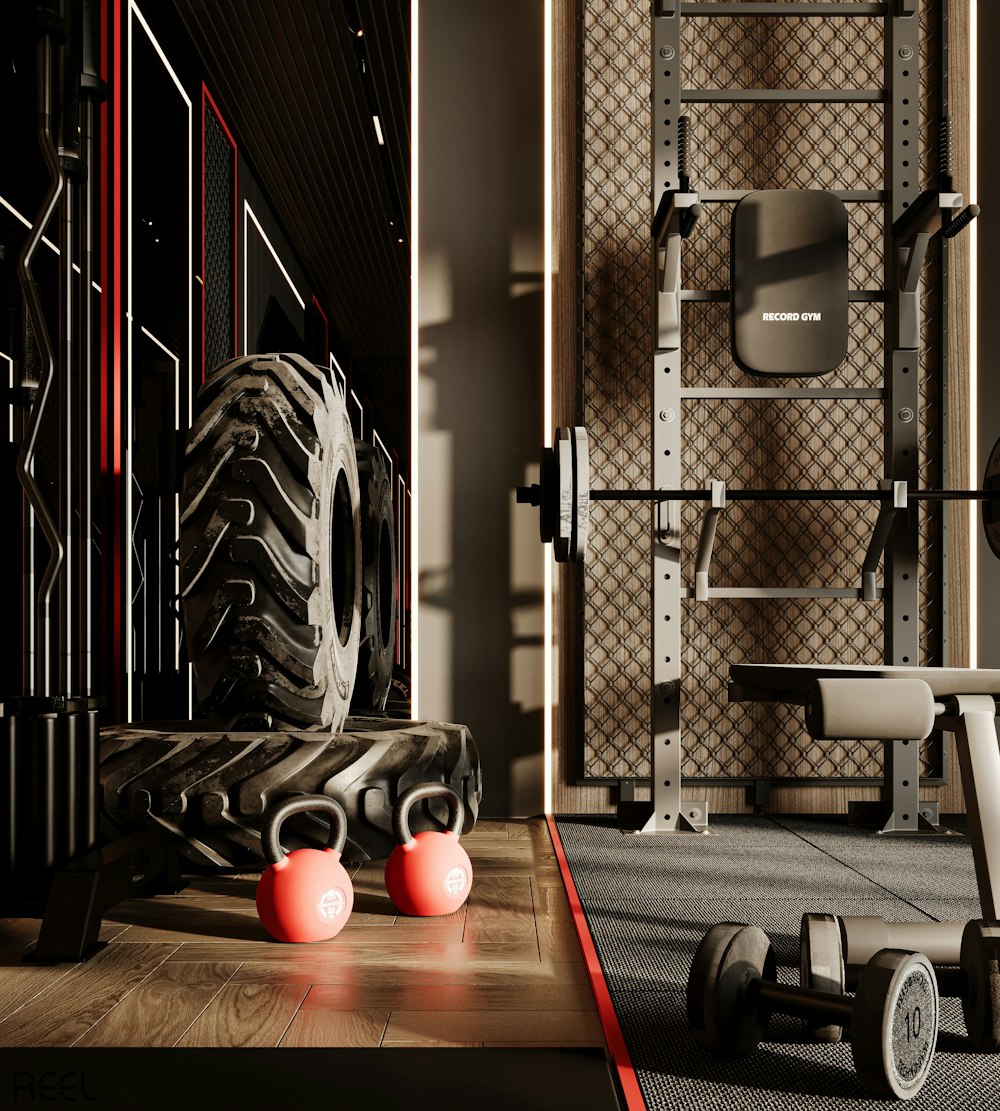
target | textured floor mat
x=648, y=900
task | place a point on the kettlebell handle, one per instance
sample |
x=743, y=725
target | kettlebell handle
x=401, y=811
x=275, y=815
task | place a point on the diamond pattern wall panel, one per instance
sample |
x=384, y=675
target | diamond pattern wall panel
x=748, y=442
x=764, y=53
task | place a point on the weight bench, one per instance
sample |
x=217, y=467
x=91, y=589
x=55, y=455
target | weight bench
x=901, y=706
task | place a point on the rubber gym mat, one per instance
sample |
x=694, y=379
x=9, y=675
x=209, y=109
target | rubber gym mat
x=645, y=916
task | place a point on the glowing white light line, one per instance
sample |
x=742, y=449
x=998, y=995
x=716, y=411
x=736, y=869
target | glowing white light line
x=159, y=50
x=248, y=211
x=343, y=377
x=973, y=508
x=133, y=7
x=377, y=439
x=378, y=131
x=414, y=352
x=45, y=239
x=177, y=498
x=127, y=450
x=547, y=599
x=177, y=370
x=361, y=415
x=10, y=361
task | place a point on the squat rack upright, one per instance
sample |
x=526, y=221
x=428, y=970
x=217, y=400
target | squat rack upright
x=899, y=810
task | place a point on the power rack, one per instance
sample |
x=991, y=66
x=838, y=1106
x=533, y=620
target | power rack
x=911, y=219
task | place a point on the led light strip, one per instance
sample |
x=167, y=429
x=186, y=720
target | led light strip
x=973, y=336
x=248, y=211
x=361, y=415
x=177, y=498
x=335, y=366
x=134, y=10
x=548, y=669
x=414, y=351
x=48, y=242
x=10, y=363
x=377, y=440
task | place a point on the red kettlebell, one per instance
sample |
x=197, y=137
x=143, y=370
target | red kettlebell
x=429, y=873
x=306, y=895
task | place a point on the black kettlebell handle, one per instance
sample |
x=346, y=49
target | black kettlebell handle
x=401, y=811
x=277, y=812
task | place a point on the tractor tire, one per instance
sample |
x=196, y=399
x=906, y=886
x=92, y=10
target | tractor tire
x=377, y=647
x=270, y=547
x=207, y=790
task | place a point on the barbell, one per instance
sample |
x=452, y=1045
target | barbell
x=563, y=495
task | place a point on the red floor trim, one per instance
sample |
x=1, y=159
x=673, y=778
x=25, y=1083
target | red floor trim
x=605, y=1008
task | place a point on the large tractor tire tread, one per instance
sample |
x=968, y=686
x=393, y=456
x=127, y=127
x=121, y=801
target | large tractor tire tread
x=207, y=790
x=269, y=445
x=377, y=646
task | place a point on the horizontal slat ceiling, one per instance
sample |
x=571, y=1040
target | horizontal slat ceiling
x=287, y=78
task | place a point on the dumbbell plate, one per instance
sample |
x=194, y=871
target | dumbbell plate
x=725, y=1018
x=562, y=541
x=581, y=494
x=981, y=999
x=991, y=509
x=894, y=1023
x=821, y=966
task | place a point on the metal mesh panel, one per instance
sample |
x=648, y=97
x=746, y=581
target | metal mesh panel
x=746, y=442
x=785, y=146
x=219, y=167
x=617, y=331
x=764, y=53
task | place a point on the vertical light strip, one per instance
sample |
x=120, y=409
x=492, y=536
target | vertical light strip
x=127, y=531
x=414, y=348
x=547, y=601
x=246, y=251
x=973, y=335
x=134, y=10
x=175, y=359
x=10, y=362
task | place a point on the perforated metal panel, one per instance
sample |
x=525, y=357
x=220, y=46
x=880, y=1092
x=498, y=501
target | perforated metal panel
x=747, y=442
x=219, y=168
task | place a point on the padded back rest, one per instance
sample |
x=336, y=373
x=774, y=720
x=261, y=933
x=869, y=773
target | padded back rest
x=789, y=282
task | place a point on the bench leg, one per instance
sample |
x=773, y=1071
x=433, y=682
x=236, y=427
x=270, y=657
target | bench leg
x=979, y=759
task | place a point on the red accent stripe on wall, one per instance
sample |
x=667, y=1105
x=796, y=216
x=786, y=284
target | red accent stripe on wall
x=326, y=330
x=204, y=92
x=105, y=465
x=605, y=1008
x=207, y=98
x=114, y=239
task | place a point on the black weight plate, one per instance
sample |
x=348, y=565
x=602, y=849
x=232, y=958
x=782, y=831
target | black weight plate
x=991, y=509
x=723, y=1012
x=981, y=1000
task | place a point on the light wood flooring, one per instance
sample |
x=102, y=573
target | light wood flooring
x=197, y=969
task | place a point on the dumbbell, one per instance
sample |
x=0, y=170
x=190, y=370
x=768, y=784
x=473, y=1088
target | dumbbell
x=733, y=990
x=833, y=951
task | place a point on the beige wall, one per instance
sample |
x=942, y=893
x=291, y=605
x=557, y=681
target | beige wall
x=479, y=399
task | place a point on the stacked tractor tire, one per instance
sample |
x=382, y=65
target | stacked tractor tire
x=288, y=593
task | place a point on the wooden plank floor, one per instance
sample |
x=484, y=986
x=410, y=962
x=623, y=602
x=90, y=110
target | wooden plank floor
x=197, y=969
